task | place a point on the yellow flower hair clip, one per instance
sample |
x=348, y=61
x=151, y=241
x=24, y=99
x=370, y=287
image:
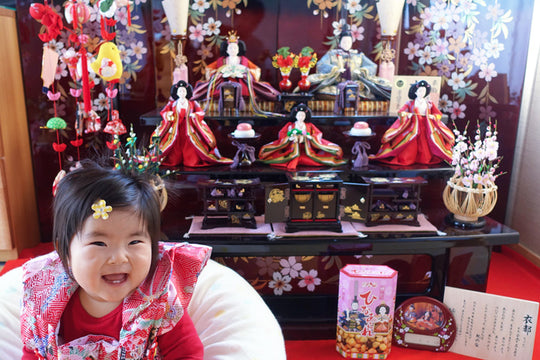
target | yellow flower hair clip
x=101, y=209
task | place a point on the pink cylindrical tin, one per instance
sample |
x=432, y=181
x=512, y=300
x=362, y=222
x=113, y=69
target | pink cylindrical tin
x=367, y=297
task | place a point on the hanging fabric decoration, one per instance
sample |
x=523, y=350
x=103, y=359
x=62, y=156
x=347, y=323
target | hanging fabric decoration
x=114, y=127
x=76, y=93
x=77, y=13
x=92, y=122
x=107, y=8
x=51, y=21
x=108, y=64
x=48, y=69
x=57, y=123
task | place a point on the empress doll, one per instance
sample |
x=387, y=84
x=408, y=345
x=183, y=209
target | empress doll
x=418, y=135
x=232, y=65
x=185, y=138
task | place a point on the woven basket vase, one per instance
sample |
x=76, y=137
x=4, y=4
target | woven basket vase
x=468, y=204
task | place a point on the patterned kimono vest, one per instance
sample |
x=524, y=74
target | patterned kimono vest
x=153, y=309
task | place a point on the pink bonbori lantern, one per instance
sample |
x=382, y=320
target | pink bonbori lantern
x=367, y=297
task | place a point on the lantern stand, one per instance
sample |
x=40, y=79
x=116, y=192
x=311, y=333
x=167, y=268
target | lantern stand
x=390, y=14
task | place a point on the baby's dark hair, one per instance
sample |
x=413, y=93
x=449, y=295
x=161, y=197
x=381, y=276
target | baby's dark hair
x=82, y=187
x=416, y=85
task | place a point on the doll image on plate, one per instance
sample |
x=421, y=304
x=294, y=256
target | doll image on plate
x=301, y=143
x=418, y=135
x=185, y=138
x=345, y=64
x=233, y=65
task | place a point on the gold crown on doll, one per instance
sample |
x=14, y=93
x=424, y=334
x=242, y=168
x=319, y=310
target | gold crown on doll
x=233, y=38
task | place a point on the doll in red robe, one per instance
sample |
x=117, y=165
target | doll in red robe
x=232, y=65
x=301, y=143
x=185, y=138
x=418, y=136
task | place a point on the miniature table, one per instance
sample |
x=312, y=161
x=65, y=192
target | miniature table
x=359, y=149
x=245, y=154
x=314, y=315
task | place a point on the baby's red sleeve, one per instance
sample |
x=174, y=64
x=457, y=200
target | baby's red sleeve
x=182, y=342
x=28, y=355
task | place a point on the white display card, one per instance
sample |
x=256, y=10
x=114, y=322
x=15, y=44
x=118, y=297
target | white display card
x=400, y=90
x=492, y=327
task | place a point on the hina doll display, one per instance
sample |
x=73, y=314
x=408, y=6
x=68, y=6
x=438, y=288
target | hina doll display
x=185, y=138
x=418, y=135
x=301, y=143
x=342, y=65
x=233, y=66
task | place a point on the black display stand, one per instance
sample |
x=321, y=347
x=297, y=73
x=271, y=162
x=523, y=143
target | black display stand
x=313, y=315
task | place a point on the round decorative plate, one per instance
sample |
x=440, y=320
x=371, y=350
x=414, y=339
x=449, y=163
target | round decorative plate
x=424, y=323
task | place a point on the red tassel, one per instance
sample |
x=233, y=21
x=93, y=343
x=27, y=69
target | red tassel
x=109, y=36
x=105, y=34
x=75, y=15
x=85, y=81
x=129, y=14
x=102, y=27
x=110, y=22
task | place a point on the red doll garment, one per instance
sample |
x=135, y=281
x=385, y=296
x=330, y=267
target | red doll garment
x=251, y=85
x=416, y=138
x=186, y=138
x=314, y=151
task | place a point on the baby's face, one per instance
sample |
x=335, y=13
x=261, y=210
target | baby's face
x=110, y=258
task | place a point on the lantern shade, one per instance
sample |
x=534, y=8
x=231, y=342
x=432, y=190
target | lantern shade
x=390, y=12
x=177, y=15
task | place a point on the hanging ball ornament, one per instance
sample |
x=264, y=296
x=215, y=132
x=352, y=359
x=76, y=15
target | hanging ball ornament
x=56, y=123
